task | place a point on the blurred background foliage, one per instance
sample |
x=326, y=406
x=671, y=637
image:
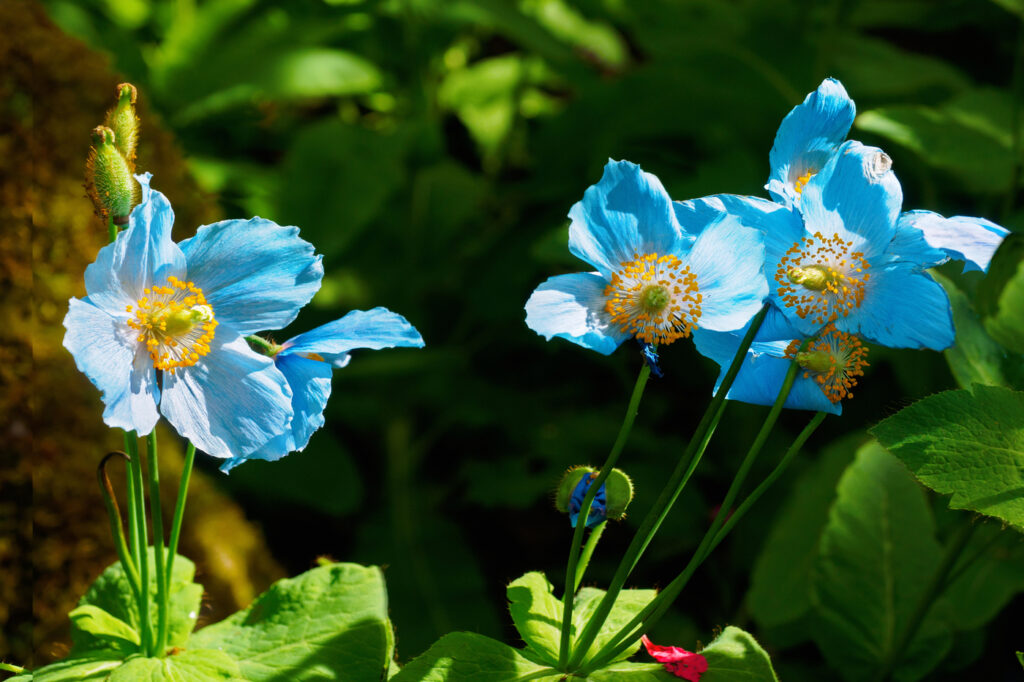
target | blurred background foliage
x=430, y=149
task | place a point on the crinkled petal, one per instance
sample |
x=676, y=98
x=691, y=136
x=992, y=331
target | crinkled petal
x=972, y=240
x=762, y=374
x=856, y=196
x=727, y=259
x=903, y=307
x=627, y=213
x=105, y=350
x=254, y=273
x=231, y=402
x=572, y=307
x=142, y=255
x=807, y=138
x=376, y=329
x=909, y=245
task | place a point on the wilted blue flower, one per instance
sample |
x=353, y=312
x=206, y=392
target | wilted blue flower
x=163, y=324
x=658, y=276
x=307, y=362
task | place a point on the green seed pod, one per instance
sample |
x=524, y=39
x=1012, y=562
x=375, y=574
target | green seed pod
x=125, y=124
x=109, y=180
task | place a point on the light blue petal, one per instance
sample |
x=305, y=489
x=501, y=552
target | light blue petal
x=254, y=273
x=376, y=329
x=855, y=196
x=808, y=137
x=727, y=259
x=972, y=240
x=105, y=350
x=763, y=371
x=909, y=244
x=776, y=326
x=627, y=213
x=903, y=307
x=572, y=307
x=310, y=382
x=231, y=402
x=142, y=255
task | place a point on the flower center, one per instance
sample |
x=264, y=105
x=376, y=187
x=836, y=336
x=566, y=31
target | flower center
x=655, y=298
x=822, y=278
x=175, y=322
x=834, y=359
x=798, y=186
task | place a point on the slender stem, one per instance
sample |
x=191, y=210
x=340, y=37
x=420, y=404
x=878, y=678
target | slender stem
x=142, y=541
x=156, y=511
x=588, y=551
x=111, y=228
x=133, y=512
x=577, y=536
x=653, y=612
x=685, y=467
x=116, y=526
x=11, y=668
x=932, y=591
x=179, y=509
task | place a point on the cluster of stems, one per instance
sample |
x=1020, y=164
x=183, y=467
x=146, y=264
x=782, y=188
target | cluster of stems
x=150, y=585
x=575, y=656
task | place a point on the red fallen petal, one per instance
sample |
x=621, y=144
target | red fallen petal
x=680, y=662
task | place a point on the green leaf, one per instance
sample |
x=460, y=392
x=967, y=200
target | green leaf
x=632, y=672
x=874, y=68
x=329, y=620
x=964, y=444
x=628, y=604
x=780, y=589
x=1020, y=657
x=93, y=628
x=735, y=656
x=876, y=552
x=95, y=665
x=111, y=593
x=319, y=72
x=1006, y=325
x=194, y=665
x=537, y=615
x=975, y=358
x=469, y=657
x=991, y=582
x=1003, y=267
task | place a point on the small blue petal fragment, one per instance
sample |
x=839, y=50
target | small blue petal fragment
x=598, y=508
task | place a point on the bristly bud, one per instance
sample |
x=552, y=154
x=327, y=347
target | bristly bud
x=610, y=501
x=109, y=180
x=125, y=124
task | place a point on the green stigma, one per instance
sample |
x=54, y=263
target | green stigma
x=182, y=321
x=655, y=298
x=818, y=361
x=813, y=277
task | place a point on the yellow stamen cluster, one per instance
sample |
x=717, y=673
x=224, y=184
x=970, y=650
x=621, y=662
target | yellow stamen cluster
x=834, y=360
x=175, y=322
x=822, y=278
x=654, y=298
x=798, y=186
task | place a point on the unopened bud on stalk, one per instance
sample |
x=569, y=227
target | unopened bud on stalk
x=610, y=501
x=125, y=124
x=109, y=178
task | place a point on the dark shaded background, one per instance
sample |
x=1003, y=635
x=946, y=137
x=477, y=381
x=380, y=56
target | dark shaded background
x=431, y=150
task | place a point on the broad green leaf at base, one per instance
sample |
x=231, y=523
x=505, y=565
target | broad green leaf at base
x=468, y=657
x=196, y=665
x=735, y=656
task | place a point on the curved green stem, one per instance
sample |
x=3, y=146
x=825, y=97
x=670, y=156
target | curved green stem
x=156, y=510
x=588, y=551
x=179, y=509
x=116, y=526
x=685, y=467
x=659, y=605
x=584, y=514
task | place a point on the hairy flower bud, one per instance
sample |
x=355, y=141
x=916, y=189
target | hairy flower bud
x=610, y=502
x=109, y=179
x=125, y=124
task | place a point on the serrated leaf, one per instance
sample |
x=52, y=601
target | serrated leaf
x=628, y=604
x=735, y=656
x=964, y=444
x=194, y=665
x=93, y=628
x=330, y=623
x=780, y=587
x=95, y=665
x=975, y=358
x=875, y=553
x=537, y=615
x=469, y=657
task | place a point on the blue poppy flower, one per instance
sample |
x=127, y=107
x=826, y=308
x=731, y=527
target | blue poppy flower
x=656, y=278
x=829, y=367
x=162, y=328
x=307, y=362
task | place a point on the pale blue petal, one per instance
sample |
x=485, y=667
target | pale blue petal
x=972, y=240
x=808, y=136
x=855, y=196
x=376, y=329
x=142, y=255
x=727, y=259
x=254, y=273
x=572, y=307
x=106, y=351
x=625, y=214
x=903, y=307
x=909, y=244
x=776, y=326
x=762, y=374
x=231, y=402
